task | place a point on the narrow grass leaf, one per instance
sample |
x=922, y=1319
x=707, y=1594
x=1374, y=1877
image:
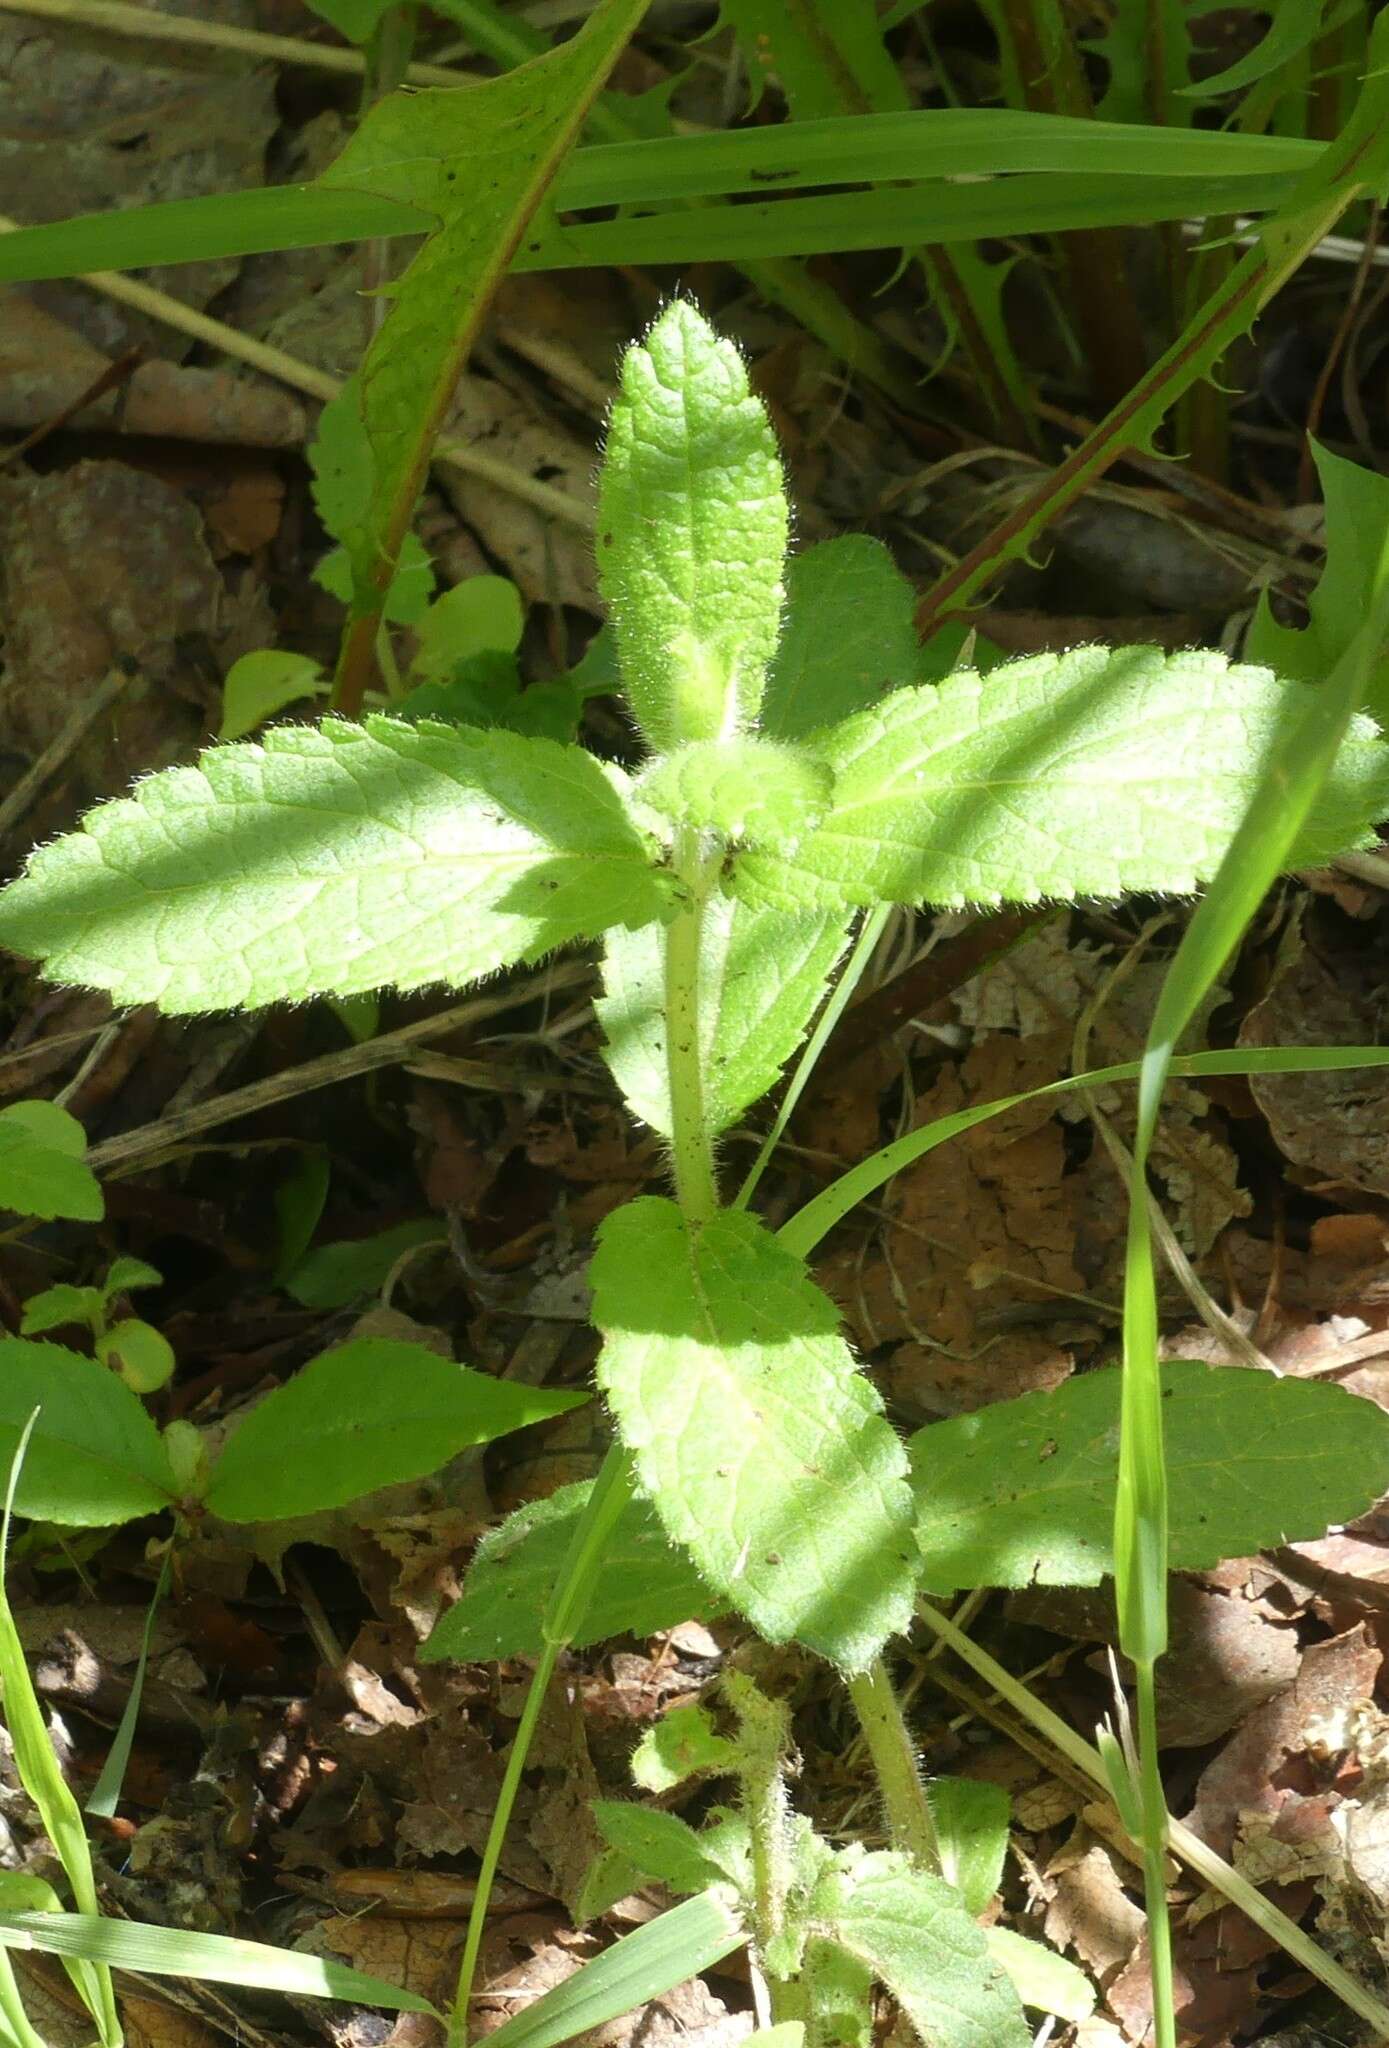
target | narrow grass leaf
x=691, y=1937
x=333, y=860
x=213, y=1958
x=371, y=1413
x=763, y=1447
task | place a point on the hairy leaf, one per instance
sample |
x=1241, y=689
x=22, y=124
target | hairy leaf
x=913, y=1932
x=329, y=861
x=692, y=524
x=42, y=1169
x=971, y=1818
x=1023, y=1492
x=661, y=1845
x=95, y=1458
x=763, y=1447
x=762, y=977
x=370, y=1413
x=1081, y=774
x=1042, y=1979
x=744, y=788
x=645, y=1584
x=849, y=637
x=260, y=684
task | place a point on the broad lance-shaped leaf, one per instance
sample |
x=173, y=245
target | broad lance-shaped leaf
x=912, y=1931
x=762, y=1446
x=645, y=1583
x=1081, y=774
x=95, y=1457
x=331, y=860
x=762, y=977
x=692, y=527
x=370, y=1413
x=42, y=1170
x=1022, y=1493
x=848, y=640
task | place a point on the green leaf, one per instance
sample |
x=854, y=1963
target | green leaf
x=95, y=1457
x=748, y=788
x=823, y=56
x=645, y=1585
x=54, y=1306
x=481, y=178
x=358, y=20
x=369, y=1414
x=763, y=1447
x=1042, y=1979
x=849, y=638
x=1081, y=774
x=215, y=1958
x=684, y=1743
x=481, y=615
x=42, y=1170
x=912, y=1931
x=762, y=977
x=661, y=1845
x=259, y=685
x=971, y=1818
x=1293, y=27
x=332, y=860
x=692, y=524
x=692, y=1937
x=411, y=586
x=129, y=1276
x=1022, y=1492
x=486, y=689
x=1357, y=514
x=351, y=1268
x=299, y=1200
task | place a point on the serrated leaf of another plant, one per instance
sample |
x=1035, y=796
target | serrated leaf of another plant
x=762, y=977
x=95, y=1457
x=745, y=788
x=645, y=1585
x=370, y=1413
x=692, y=523
x=42, y=1170
x=1357, y=512
x=329, y=861
x=913, y=1932
x=763, y=1447
x=1081, y=774
x=849, y=637
x=1022, y=1492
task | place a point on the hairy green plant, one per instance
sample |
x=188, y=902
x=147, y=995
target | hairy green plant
x=801, y=764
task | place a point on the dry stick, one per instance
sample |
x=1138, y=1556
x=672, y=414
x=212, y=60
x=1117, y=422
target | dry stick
x=302, y=376
x=14, y=806
x=392, y=1047
x=119, y=19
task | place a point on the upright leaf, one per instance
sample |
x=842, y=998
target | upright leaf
x=762, y=1446
x=1022, y=1492
x=332, y=860
x=691, y=533
x=95, y=1458
x=478, y=159
x=1357, y=516
x=1080, y=774
x=42, y=1170
x=369, y=1413
x=913, y=1932
x=849, y=636
x=762, y=977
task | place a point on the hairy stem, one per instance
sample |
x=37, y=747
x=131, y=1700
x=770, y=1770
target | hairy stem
x=691, y=1149
x=909, y=1820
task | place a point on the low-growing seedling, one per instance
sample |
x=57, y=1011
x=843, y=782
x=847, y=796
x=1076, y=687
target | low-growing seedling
x=804, y=762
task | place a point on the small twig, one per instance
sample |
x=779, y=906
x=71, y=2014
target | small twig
x=392, y=1047
x=119, y=19
x=58, y=750
x=302, y=376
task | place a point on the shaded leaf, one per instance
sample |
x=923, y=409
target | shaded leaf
x=95, y=1458
x=849, y=637
x=42, y=1169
